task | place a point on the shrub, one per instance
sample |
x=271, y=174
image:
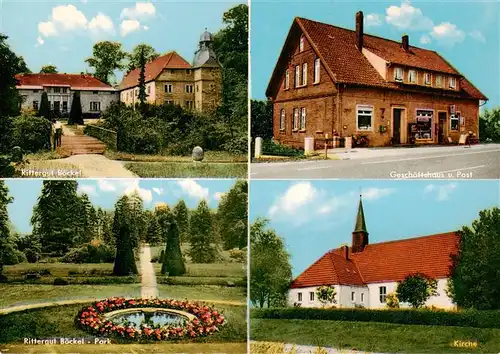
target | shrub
x=60, y=281
x=12, y=255
x=90, y=253
x=466, y=318
x=275, y=149
x=238, y=255
x=31, y=133
x=6, y=127
x=32, y=255
x=392, y=300
x=416, y=289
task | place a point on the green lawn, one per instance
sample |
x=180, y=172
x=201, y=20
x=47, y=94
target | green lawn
x=57, y=321
x=186, y=170
x=372, y=336
x=218, y=270
x=58, y=269
x=156, y=250
x=202, y=293
x=210, y=156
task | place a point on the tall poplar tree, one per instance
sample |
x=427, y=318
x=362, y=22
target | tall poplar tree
x=181, y=213
x=202, y=237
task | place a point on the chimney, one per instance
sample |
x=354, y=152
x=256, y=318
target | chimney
x=346, y=252
x=404, y=43
x=359, y=30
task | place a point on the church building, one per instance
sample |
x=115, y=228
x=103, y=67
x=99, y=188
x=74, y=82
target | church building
x=364, y=274
x=172, y=79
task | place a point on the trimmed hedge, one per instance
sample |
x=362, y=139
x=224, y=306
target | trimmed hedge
x=465, y=318
x=274, y=149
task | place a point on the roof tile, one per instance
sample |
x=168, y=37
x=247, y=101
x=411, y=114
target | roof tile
x=72, y=80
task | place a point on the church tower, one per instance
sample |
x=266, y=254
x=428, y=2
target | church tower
x=360, y=233
x=207, y=75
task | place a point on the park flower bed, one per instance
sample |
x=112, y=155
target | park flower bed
x=93, y=320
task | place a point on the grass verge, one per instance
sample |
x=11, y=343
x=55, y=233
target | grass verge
x=378, y=337
x=187, y=170
x=210, y=156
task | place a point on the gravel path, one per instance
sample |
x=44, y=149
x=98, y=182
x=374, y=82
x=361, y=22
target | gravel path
x=310, y=349
x=149, y=288
x=97, y=166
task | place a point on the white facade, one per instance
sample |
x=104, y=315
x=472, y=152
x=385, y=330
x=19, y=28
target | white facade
x=370, y=296
x=93, y=100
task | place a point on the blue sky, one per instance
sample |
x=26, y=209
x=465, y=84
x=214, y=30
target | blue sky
x=62, y=33
x=106, y=192
x=316, y=216
x=465, y=33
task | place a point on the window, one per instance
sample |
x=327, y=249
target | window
x=304, y=74
x=439, y=81
x=454, y=121
x=189, y=88
x=302, y=118
x=297, y=76
x=311, y=296
x=64, y=90
x=282, y=119
x=57, y=106
x=65, y=105
x=299, y=297
x=287, y=79
x=412, y=76
x=427, y=78
x=95, y=106
x=452, y=82
x=364, y=115
x=168, y=88
x=362, y=297
x=136, y=92
x=424, y=124
x=57, y=89
x=188, y=104
x=24, y=98
x=295, y=119
x=35, y=91
x=188, y=71
x=148, y=90
x=95, y=92
x=398, y=74
x=197, y=88
x=35, y=105
x=383, y=294
x=301, y=45
x=169, y=102
x=317, y=65
x=51, y=105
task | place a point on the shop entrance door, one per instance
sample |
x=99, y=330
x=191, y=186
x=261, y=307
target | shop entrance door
x=442, y=126
x=396, y=126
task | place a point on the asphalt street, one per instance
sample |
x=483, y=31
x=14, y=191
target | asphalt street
x=457, y=163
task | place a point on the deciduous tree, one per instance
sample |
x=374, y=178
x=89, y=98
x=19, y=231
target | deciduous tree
x=107, y=57
x=48, y=69
x=10, y=65
x=416, y=289
x=134, y=57
x=474, y=282
x=202, y=238
x=233, y=216
x=5, y=200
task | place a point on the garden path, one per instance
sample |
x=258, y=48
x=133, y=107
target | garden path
x=149, y=289
x=97, y=166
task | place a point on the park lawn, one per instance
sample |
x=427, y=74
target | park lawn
x=209, y=156
x=203, y=293
x=58, y=321
x=211, y=270
x=59, y=269
x=377, y=337
x=185, y=247
x=188, y=170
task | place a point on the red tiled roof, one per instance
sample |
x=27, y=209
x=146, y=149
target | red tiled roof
x=384, y=262
x=154, y=68
x=337, y=49
x=72, y=80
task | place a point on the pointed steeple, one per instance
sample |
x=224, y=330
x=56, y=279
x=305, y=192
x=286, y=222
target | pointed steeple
x=360, y=233
x=360, y=218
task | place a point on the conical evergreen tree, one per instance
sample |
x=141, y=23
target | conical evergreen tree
x=75, y=114
x=173, y=263
x=124, y=230
x=4, y=223
x=142, y=81
x=181, y=213
x=44, y=110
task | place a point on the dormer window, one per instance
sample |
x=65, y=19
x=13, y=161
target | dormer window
x=412, y=76
x=427, y=78
x=453, y=82
x=439, y=81
x=301, y=45
x=398, y=74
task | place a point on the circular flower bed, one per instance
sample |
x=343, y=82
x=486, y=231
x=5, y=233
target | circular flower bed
x=93, y=319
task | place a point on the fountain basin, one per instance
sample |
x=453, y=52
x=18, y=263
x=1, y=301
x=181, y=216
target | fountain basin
x=154, y=317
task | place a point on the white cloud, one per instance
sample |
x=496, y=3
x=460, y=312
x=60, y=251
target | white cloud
x=107, y=185
x=133, y=187
x=101, y=23
x=296, y=196
x=128, y=26
x=478, y=36
x=127, y=187
x=193, y=189
x=68, y=17
x=39, y=41
x=84, y=1
x=407, y=16
x=373, y=20
x=141, y=10
x=87, y=189
x=145, y=28
x=158, y=191
x=442, y=191
x=447, y=34
x=218, y=195
x=425, y=39
x=47, y=29
x=376, y=193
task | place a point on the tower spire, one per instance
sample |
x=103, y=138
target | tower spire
x=360, y=218
x=360, y=233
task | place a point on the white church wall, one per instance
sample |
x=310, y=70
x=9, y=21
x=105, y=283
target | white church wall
x=350, y=296
x=293, y=296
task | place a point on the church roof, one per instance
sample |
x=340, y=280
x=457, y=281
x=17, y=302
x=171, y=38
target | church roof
x=380, y=262
x=154, y=68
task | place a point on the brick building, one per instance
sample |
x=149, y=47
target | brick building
x=95, y=96
x=170, y=78
x=335, y=81
x=364, y=274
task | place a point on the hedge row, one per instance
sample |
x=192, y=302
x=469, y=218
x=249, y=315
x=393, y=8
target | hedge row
x=187, y=281
x=465, y=318
x=274, y=149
